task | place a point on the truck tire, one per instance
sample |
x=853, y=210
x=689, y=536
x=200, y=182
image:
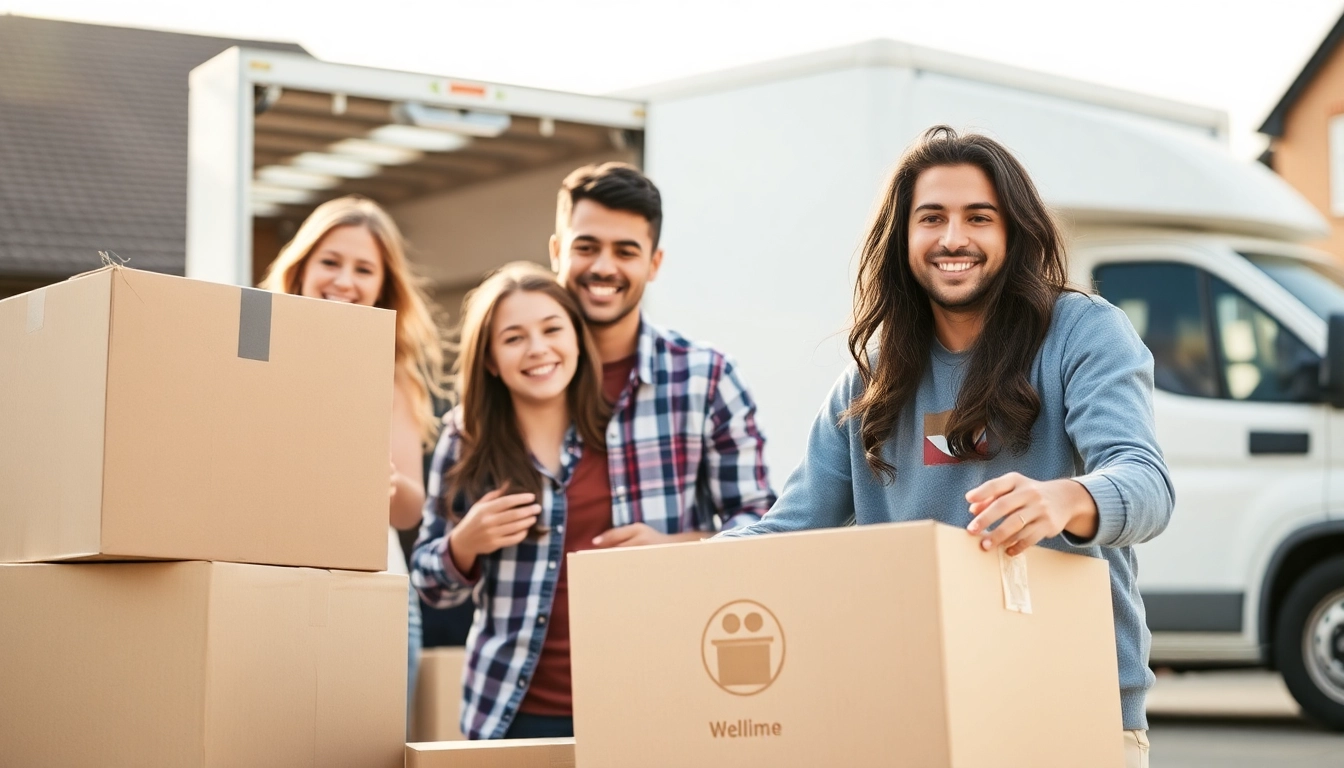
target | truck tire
x=1309, y=642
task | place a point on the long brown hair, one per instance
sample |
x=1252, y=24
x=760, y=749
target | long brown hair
x=419, y=345
x=493, y=453
x=888, y=303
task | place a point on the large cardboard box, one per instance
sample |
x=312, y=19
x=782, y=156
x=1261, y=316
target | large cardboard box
x=510, y=753
x=201, y=664
x=436, y=712
x=891, y=645
x=150, y=416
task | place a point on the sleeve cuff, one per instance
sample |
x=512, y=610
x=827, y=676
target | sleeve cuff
x=450, y=567
x=739, y=521
x=1110, y=512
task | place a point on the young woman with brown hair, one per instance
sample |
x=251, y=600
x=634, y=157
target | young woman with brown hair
x=519, y=480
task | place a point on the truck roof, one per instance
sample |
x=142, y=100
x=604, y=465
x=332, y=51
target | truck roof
x=1101, y=156
x=893, y=53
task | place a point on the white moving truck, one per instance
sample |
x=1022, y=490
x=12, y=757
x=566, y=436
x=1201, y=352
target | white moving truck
x=769, y=174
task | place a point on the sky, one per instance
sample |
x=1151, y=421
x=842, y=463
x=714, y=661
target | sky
x=1234, y=55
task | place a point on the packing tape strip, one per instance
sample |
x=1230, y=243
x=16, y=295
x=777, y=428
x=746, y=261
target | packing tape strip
x=1016, y=591
x=37, y=310
x=254, y=325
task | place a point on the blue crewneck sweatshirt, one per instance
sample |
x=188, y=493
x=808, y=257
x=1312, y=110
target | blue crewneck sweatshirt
x=1095, y=381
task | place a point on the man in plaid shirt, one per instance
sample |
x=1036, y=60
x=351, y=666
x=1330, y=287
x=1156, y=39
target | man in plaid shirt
x=683, y=459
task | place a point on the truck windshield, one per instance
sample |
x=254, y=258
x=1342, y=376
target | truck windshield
x=1319, y=286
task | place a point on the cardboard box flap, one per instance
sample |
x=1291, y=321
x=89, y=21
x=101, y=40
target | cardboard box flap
x=105, y=268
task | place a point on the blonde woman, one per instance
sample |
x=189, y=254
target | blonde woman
x=350, y=250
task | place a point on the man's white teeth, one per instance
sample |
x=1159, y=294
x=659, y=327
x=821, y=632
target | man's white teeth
x=542, y=370
x=956, y=266
x=603, y=290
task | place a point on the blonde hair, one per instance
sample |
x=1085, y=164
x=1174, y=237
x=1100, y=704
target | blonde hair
x=419, y=345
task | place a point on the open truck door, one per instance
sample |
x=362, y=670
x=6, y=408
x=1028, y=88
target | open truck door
x=469, y=170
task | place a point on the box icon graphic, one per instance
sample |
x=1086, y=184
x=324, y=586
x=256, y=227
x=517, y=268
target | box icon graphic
x=743, y=647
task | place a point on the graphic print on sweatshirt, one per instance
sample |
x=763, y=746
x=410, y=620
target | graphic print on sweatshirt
x=936, y=450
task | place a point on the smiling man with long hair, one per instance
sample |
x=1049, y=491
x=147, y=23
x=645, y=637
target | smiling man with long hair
x=985, y=393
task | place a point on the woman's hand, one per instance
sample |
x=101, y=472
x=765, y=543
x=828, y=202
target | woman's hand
x=493, y=523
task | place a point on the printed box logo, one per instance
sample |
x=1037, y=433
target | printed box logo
x=743, y=648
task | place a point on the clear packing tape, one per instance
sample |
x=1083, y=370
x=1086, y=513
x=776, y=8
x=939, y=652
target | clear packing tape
x=1016, y=591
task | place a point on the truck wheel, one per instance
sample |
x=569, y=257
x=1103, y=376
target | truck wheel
x=1309, y=642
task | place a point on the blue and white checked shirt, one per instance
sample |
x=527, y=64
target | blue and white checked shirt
x=684, y=454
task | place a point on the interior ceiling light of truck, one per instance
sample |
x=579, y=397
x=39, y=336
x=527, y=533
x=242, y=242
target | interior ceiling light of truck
x=309, y=147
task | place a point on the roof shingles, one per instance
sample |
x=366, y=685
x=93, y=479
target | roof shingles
x=93, y=143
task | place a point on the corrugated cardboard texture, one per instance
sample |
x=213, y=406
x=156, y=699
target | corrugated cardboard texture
x=211, y=456
x=53, y=383
x=318, y=658
x=513, y=753
x=896, y=650
x=860, y=680
x=1055, y=665
x=103, y=664
x=201, y=664
x=435, y=715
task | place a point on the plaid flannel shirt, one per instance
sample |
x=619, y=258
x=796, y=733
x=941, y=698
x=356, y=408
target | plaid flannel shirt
x=684, y=454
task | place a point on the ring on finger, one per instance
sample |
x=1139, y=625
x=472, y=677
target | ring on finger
x=1022, y=519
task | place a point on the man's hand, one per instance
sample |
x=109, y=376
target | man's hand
x=1030, y=510
x=641, y=535
x=493, y=523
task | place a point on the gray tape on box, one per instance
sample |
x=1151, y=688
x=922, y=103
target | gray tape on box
x=37, y=310
x=254, y=325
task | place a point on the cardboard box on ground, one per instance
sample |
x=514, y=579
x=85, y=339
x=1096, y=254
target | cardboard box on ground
x=201, y=664
x=877, y=645
x=435, y=714
x=150, y=416
x=513, y=753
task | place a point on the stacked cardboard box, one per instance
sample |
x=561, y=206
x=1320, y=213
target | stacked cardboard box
x=242, y=438
x=436, y=712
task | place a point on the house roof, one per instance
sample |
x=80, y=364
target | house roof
x=93, y=143
x=1273, y=125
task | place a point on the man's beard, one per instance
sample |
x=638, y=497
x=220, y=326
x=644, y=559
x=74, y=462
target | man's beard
x=978, y=295
x=594, y=322
x=975, y=300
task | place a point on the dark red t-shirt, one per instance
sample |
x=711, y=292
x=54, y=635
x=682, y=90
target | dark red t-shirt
x=587, y=514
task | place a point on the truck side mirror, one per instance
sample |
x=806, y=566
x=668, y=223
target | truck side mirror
x=1332, y=367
